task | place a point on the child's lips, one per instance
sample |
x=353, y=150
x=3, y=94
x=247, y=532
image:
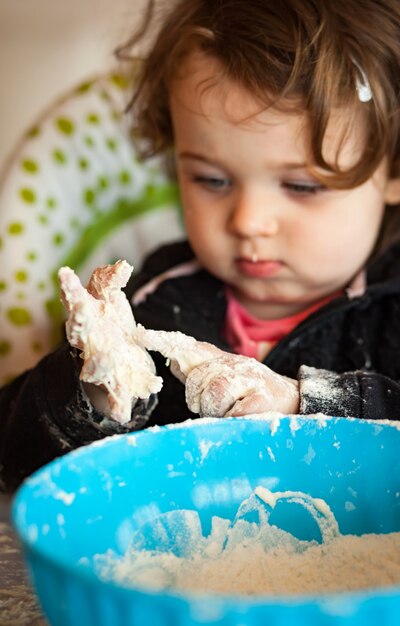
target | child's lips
x=258, y=268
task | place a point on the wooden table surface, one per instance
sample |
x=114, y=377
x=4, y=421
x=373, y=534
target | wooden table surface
x=18, y=606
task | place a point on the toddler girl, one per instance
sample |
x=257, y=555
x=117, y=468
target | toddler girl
x=282, y=118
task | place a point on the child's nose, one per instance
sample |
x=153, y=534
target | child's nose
x=254, y=215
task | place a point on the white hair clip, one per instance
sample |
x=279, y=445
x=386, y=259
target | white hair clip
x=363, y=87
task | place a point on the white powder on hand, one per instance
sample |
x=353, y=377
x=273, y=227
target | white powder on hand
x=250, y=558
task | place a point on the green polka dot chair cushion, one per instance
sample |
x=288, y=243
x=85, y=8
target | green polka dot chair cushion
x=74, y=193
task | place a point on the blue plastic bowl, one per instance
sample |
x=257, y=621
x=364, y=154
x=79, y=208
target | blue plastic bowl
x=95, y=498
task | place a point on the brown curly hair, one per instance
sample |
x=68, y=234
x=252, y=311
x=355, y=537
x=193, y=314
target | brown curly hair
x=306, y=54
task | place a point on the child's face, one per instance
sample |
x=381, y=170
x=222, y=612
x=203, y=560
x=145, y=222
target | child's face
x=255, y=216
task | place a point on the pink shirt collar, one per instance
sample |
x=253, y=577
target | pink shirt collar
x=252, y=337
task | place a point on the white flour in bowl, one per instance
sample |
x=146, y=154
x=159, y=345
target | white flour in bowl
x=246, y=557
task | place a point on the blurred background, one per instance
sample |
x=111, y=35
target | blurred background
x=46, y=46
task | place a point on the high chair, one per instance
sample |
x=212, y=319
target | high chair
x=74, y=193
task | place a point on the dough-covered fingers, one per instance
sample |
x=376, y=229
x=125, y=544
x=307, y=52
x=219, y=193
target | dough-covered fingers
x=107, y=281
x=213, y=388
x=105, y=286
x=219, y=383
x=214, y=399
x=237, y=385
x=72, y=292
x=80, y=306
x=101, y=325
x=183, y=352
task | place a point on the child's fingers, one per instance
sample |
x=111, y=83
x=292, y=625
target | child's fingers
x=253, y=404
x=185, y=351
x=109, y=279
x=213, y=388
x=236, y=385
x=209, y=397
x=72, y=291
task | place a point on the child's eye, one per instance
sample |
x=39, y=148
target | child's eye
x=214, y=183
x=304, y=188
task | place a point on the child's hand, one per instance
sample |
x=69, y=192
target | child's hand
x=237, y=385
x=101, y=325
x=219, y=383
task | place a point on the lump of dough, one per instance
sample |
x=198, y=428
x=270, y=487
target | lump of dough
x=102, y=326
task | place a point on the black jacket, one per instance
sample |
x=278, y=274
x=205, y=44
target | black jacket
x=346, y=357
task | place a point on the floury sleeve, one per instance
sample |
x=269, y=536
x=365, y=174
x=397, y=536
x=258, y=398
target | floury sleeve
x=45, y=413
x=359, y=394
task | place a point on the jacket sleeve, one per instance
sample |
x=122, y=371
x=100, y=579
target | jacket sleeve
x=366, y=395
x=45, y=413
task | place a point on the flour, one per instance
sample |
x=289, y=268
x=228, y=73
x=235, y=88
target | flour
x=249, y=557
x=322, y=385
